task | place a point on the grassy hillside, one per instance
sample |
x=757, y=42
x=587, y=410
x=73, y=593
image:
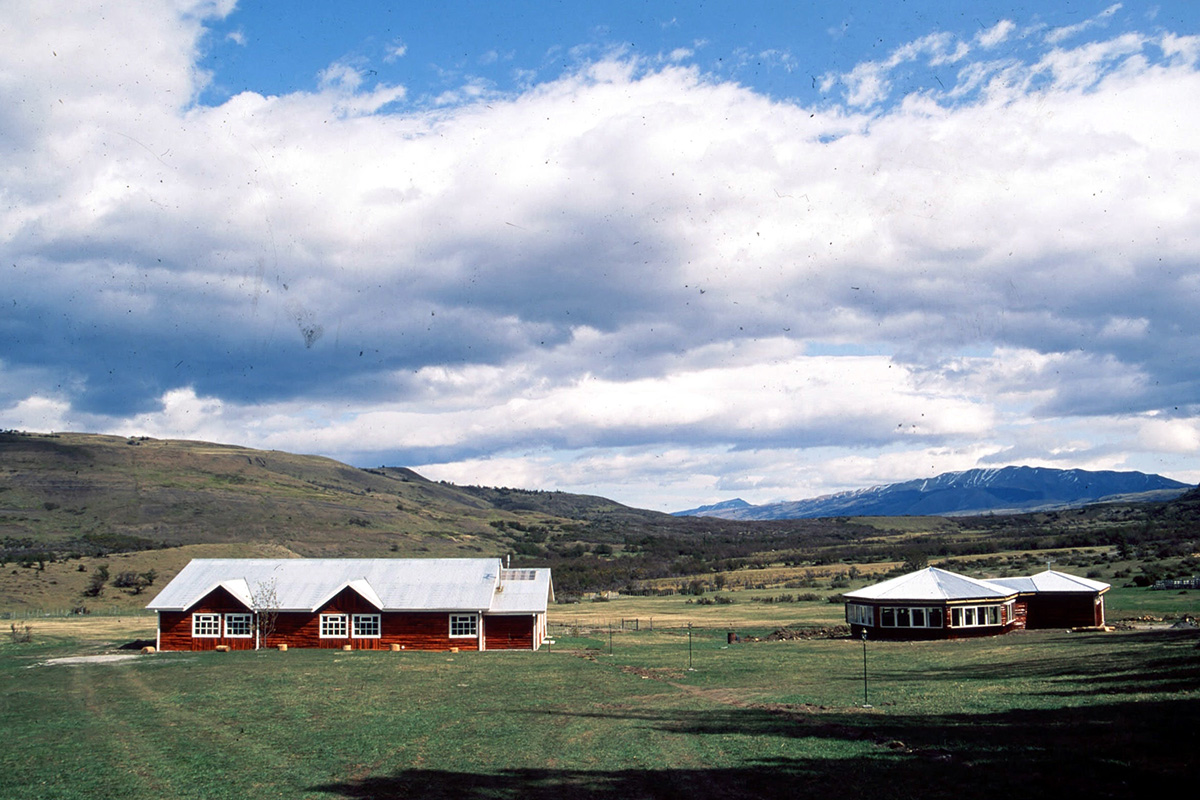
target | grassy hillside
x=73, y=504
x=92, y=494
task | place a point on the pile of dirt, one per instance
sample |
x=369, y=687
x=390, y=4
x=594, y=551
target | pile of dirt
x=789, y=634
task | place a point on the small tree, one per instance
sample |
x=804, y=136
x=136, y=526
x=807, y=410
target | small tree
x=95, y=586
x=136, y=582
x=915, y=560
x=265, y=600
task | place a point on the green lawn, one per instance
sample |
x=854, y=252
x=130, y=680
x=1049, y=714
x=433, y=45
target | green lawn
x=1037, y=714
x=1123, y=603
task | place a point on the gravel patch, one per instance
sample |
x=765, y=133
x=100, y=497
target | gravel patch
x=108, y=659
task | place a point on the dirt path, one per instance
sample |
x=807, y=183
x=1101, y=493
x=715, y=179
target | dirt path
x=103, y=659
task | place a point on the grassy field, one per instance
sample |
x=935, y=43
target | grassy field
x=1037, y=713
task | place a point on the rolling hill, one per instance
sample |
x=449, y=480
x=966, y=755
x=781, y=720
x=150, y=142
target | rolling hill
x=92, y=492
x=72, y=504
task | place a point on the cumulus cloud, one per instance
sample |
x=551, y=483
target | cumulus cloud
x=996, y=34
x=634, y=274
x=1058, y=35
x=396, y=50
x=1171, y=435
x=871, y=82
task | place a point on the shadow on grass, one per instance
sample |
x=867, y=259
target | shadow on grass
x=771, y=779
x=1110, y=750
x=1127, y=669
x=1119, y=743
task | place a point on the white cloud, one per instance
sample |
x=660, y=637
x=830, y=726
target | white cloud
x=867, y=84
x=1171, y=435
x=1058, y=35
x=996, y=34
x=396, y=50
x=38, y=414
x=633, y=274
x=870, y=82
x=342, y=83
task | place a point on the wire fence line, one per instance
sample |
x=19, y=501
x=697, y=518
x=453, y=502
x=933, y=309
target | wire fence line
x=627, y=625
x=65, y=613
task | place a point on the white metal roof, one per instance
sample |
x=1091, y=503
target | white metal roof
x=522, y=589
x=390, y=584
x=1053, y=581
x=931, y=584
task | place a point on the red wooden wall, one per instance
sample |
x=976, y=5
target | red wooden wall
x=509, y=633
x=175, y=628
x=1065, y=610
x=412, y=630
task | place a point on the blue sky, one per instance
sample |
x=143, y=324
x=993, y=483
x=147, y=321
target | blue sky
x=781, y=49
x=776, y=47
x=671, y=253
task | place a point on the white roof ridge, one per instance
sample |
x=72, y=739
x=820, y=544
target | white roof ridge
x=238, y=587
x=1084, y=583
x=361, y=586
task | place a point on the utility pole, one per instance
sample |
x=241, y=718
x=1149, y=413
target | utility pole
x=864, y=640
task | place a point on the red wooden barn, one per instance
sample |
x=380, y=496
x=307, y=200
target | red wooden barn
x=937, y=604
x=378, y=603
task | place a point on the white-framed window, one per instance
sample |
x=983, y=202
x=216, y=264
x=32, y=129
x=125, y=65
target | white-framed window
x=910, y=617
x=976, y=616
x=366, y=626
x=239, y=626
x=858, y=614
x=206, y=626
x=464, y=625
x=334, y=626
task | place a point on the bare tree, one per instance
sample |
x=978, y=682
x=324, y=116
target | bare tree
x=265, y=598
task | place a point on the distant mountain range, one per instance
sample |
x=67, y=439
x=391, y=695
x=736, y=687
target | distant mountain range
x=975, y=491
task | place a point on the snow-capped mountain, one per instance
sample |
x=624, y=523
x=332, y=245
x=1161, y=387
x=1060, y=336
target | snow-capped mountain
x=974, y=491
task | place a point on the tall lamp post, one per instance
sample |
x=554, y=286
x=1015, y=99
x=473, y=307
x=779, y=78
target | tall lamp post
x=864, y=640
